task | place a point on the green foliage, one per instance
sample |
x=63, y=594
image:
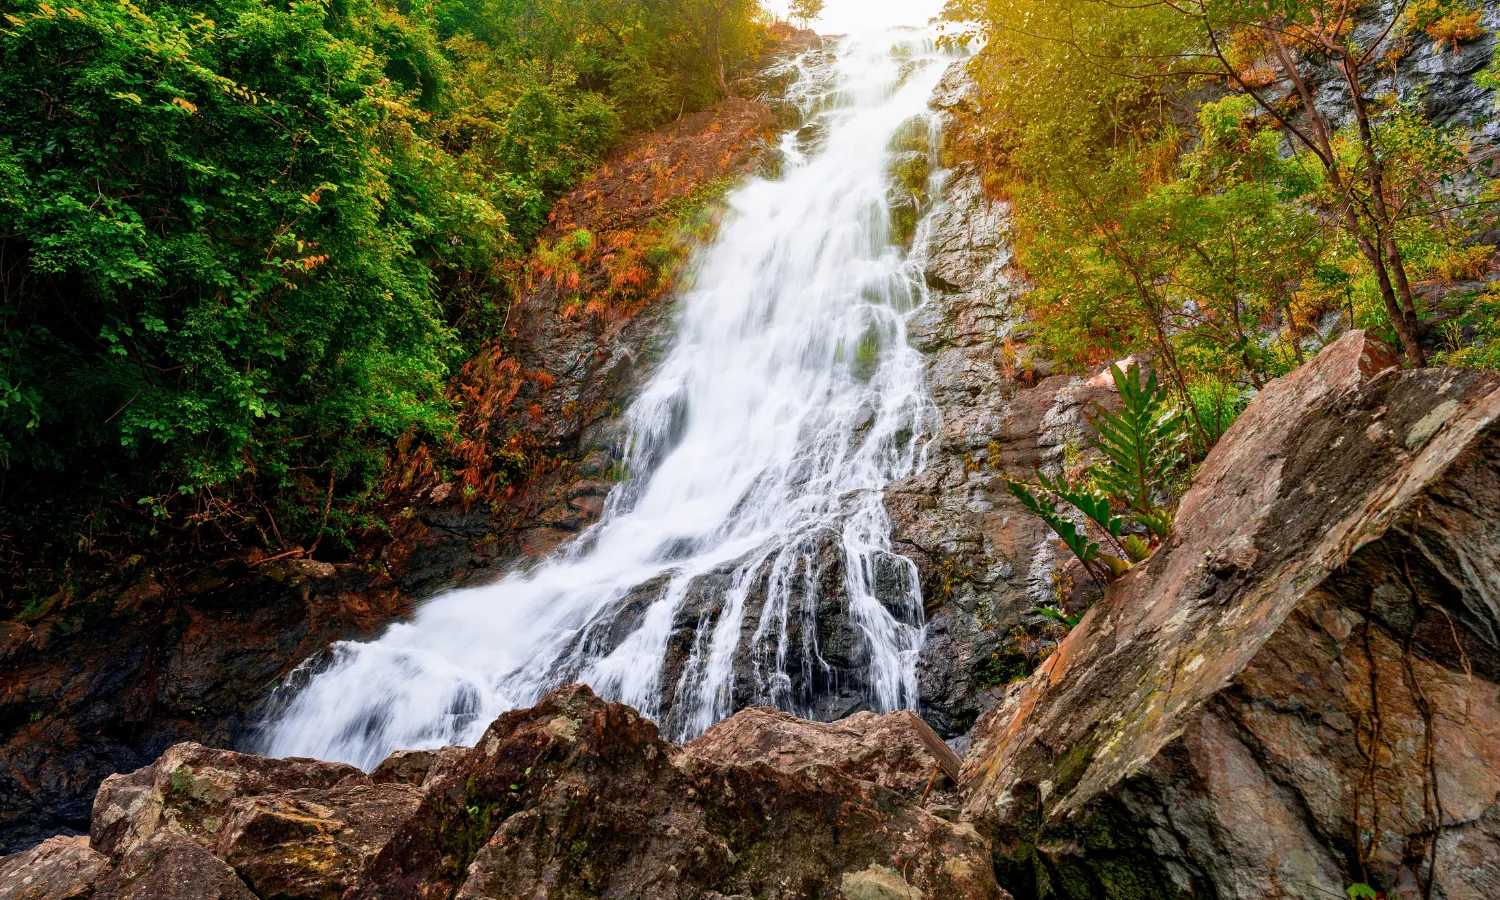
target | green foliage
x=1359, y=890
x=1140, y=447
x=1086, y=550
x=1217, y=403
x=189, y=312
x=1066, y=621
x=1169, y=202
x=246, y=242
x=1472, y=340
x=805, y=10
x=1141, y=444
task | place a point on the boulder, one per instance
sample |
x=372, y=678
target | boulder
x=574, y=797
x=897, y=750
x=312, y=844
x=418, y=768
x=167, y=865
x=61, y=868
x=189, y=791
x=578, y=797
x=1301, y=690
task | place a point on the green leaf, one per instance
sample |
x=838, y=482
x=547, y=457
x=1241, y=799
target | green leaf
x=1058, y=616
x=1086, y=551
x=1141, y=443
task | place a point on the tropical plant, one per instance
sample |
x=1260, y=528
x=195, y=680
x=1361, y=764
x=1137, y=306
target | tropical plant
x=1123, y=495
x=1142, y=443
x=1178, y=192
x=246, y=244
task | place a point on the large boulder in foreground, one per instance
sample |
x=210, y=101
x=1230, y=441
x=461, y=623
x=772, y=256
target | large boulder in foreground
x=577, y=797
x=60, y=868
x=1299, y=691
x=572, y=798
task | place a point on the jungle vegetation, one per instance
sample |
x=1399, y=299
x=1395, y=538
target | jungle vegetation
x=245, y=243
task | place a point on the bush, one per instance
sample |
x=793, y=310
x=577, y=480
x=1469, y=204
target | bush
x=216, y=219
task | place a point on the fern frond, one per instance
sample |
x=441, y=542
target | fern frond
x=1141, y=443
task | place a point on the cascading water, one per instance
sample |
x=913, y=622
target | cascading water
x=757, y=453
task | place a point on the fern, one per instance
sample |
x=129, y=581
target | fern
x=1089, y=502
x=1103, y=566
x=1087, y=551
x=1141, y=444
x=1066, y=621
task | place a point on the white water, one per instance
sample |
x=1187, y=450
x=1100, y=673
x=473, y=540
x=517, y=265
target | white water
x=789, y=400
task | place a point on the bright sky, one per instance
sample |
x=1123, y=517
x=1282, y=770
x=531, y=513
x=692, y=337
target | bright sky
x=841, y=16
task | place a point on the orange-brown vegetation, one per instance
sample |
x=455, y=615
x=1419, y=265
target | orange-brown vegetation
x=612, y=249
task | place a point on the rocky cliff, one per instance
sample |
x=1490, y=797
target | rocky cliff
x=1301, y=689
x=984, y=560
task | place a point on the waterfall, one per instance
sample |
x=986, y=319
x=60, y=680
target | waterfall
x=746, y=557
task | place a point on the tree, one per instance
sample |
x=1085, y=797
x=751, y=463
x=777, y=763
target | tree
x=1088, y=109
x=805, y=11
x=1291, y=34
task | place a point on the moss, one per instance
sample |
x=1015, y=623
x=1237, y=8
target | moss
x=913, y=136
x=1109, y=856
x=1003, y=668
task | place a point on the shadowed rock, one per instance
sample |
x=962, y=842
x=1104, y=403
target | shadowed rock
x=62, y=868
x=418, y=768
x=581, y=797
x=574, y=797
x=170, y=866
x=1299, y=691
x=188, y=791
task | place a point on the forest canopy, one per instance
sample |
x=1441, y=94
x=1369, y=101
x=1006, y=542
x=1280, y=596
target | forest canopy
x=243, y=243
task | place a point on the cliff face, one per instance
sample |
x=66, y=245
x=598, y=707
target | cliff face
x=984, y=561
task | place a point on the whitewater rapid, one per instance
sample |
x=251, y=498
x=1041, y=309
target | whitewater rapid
x=757, y=455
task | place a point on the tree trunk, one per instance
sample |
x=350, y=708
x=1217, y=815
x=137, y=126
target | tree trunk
x=1401, y=310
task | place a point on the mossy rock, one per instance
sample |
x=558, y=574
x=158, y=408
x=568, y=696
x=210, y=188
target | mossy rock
x=913, y=136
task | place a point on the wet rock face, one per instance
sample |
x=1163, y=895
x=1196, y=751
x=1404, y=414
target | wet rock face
x=983, y=560
x=574, y=797
x=92, y=688
x=1301, y=689
x=814, y=666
